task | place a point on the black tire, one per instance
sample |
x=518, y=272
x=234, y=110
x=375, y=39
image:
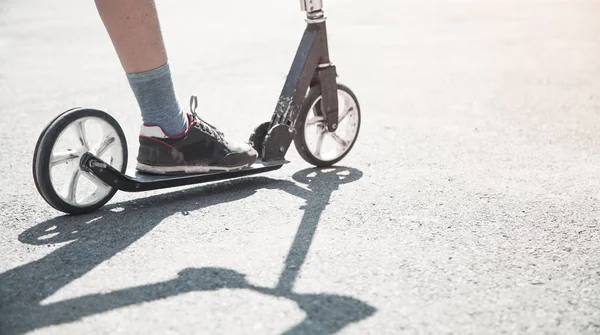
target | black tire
x=43, y=152
x=313, y=95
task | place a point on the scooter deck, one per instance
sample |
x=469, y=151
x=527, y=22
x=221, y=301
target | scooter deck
x=141, y=182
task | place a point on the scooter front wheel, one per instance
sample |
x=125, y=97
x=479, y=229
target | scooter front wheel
x=315, y=144
x=56, y=160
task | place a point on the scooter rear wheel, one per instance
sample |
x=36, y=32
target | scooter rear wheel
x=315, y=144
x=56, y=170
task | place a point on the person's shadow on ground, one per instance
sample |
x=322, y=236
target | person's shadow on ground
x=95, y=238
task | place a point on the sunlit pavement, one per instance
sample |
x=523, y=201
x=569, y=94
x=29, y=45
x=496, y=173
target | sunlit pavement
x=467, y=206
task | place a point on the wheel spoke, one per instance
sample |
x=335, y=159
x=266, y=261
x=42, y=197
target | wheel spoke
x=339, y=140
x=320, y=143
x=80, y=128
x=348, y=102
x=320, y=129
x=72, y=186
x=349, y=107
x=108, y=142
x=346, y=113
x=63, y=157
x=97, y=181
x=315, y=120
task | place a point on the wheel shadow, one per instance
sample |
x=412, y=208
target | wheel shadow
x=95, y=238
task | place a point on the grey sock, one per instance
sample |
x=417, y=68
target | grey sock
x=158, y=102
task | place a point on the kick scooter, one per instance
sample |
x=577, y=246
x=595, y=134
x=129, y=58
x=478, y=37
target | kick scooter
x=80, y=159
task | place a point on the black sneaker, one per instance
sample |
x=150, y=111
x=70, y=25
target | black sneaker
x=201, y=149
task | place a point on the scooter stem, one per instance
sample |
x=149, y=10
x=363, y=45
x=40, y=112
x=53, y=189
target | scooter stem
x=310, y=6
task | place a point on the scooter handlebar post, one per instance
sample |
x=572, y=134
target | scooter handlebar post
x=310, y=6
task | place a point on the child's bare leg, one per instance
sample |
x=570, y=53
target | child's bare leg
x=134, y=29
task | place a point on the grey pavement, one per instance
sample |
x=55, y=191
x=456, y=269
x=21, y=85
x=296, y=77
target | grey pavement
x=469, y=205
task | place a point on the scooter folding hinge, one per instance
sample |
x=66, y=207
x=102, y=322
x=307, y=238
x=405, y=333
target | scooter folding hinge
x=277, y=143
x=310, y=6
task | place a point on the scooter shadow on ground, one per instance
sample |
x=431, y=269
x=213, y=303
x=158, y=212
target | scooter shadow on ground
x=95, y=238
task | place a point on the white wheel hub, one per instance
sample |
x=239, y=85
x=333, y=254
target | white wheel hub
x=89, y=134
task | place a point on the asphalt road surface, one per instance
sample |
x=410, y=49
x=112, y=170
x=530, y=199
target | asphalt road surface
x=469, y=204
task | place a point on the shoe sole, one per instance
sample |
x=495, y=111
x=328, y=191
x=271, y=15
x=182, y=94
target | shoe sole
x=187, y=169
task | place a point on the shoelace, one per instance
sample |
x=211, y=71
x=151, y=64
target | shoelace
x=203, y=125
